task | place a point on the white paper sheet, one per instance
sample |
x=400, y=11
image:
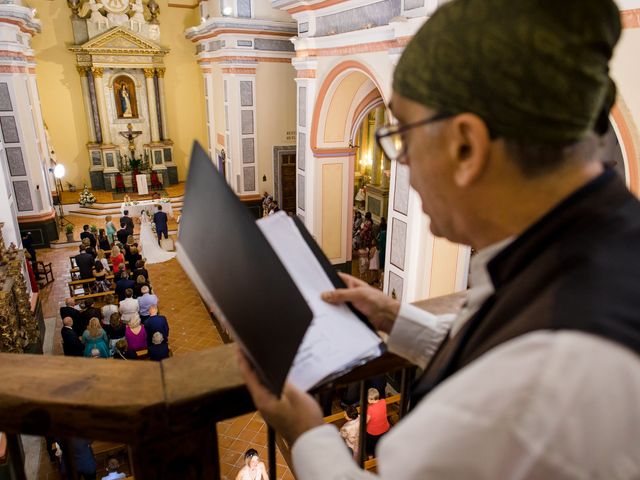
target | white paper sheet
x=336, y=338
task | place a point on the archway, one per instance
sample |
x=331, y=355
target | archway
x=345, y=99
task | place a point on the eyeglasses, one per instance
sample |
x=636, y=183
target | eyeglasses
x=390, y=137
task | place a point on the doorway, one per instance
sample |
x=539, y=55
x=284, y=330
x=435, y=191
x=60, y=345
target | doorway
x=284, y=185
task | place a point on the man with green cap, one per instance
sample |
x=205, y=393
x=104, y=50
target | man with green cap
x=500, y=105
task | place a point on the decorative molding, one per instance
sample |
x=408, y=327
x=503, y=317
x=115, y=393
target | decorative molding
x=315, y=6
x=149, y=72
x=308, y=73
x=630, y=18
x=119, y=41
x=232, y=58
x=97, y=72
x=380, y=46
x=180, y=5
x=82, y=70
x=161, y=72
x=240, y=71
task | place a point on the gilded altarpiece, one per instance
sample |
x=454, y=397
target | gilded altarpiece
x=121, y=65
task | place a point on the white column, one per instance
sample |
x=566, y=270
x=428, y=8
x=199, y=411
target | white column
x=163, y=103
x=151, y=99
x=102, y=104
x=86, y=99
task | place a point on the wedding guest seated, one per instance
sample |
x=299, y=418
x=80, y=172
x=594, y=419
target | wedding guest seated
x=103, y=240
x=91, y=251
x=115, y=330
x=123, y=284
x=70, y=309
x=122, y=235
x=133, y=255
x=140, y=284
x=128, y=306
x=113, y=470
x=145, y=301
x=350, y=431
x=117, y=258
x=87, y=314
x=158, y=347
x=101, y=283
x=95, y=338
x=117, y=274
x=136, y=336
x=71, y=344
x=88, y=235
x=109, y=309
x=140, y=270
x=102, y=258
x=156, y=323
x=129, y=243
x=121, y=350
x=84, y=262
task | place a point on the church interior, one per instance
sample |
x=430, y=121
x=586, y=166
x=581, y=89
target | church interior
x=100, y=103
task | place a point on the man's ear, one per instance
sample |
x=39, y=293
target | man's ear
x=469, y=148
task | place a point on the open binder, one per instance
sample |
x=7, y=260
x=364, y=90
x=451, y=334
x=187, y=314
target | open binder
x=263, y=280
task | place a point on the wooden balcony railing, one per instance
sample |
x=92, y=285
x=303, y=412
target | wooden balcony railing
x=165, y=412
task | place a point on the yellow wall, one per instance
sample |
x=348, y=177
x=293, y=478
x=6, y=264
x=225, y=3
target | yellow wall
x=332, y=212
x=276, y=115
x=61, y=95
x=443, y=267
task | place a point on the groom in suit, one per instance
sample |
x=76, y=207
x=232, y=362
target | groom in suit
x=160, y=219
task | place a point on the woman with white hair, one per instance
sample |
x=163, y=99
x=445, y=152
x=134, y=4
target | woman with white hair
x=158, y=349
x=136, y=336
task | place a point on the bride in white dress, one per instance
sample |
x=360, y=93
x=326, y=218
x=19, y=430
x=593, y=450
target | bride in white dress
x=151, y=251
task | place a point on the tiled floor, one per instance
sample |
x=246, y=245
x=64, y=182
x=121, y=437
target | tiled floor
x=191, y=330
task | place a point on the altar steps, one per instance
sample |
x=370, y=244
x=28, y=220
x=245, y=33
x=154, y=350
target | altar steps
x=101, y=210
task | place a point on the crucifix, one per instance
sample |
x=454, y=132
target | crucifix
x=131, y=135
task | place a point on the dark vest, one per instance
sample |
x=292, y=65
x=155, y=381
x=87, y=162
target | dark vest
x=577, y=268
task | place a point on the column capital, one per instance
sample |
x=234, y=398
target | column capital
x=82, y=70
x=160, y=72
x=97, y=71
x=149, y=72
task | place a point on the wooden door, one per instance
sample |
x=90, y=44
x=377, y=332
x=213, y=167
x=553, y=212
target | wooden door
x=288, y=172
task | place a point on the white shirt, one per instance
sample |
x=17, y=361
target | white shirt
x=114, y=476
x=107, y=311
x=546, y=405
x=128, y=308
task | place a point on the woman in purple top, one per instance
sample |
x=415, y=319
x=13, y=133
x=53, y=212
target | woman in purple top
x=135, y=335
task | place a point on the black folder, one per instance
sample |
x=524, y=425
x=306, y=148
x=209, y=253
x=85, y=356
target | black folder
x=237, y=273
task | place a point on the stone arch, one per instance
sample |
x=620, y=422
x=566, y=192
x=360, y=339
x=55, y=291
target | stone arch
x=623, y=127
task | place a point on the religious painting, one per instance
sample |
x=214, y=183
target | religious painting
x=124, y=93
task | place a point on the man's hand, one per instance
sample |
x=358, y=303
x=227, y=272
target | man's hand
x=291, y=415
x=378, y=307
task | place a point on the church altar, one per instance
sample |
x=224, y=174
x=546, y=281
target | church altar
x=136, y=209
x=121, y=67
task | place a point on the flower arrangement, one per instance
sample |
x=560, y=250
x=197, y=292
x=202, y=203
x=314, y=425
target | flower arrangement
x=165, y=200
x=86, y=197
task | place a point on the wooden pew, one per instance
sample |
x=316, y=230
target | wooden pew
x=94, y=296
x=83, y=281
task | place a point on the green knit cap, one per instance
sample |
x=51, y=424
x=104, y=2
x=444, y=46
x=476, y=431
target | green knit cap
x=533, y=70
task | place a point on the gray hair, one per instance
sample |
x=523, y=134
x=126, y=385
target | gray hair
x=135, y=321
x=144, y=289
x=157, y=338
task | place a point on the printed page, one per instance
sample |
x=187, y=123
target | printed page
x=336, y=338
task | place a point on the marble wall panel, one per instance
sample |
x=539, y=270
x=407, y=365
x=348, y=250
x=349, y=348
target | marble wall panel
x=411, y=4
x=395, y=286
x=23, y=195
x=367, y=16
x=246, y=93
x=274, y=45
x=248, y=151
x=302, y=148
x=398, y=243
x=249, y=175
x=5, y=98
x=301, y=192
x=17, y=167
x=9, y=129
x=401, y=195
x=302, y=106
x=244, y=8
x=246, y=122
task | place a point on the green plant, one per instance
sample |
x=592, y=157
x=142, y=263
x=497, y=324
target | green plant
x=93, y=228
x=135, y=163
x=69, y=228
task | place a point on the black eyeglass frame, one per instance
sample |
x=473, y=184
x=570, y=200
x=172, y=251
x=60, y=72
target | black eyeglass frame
x=388, y=130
